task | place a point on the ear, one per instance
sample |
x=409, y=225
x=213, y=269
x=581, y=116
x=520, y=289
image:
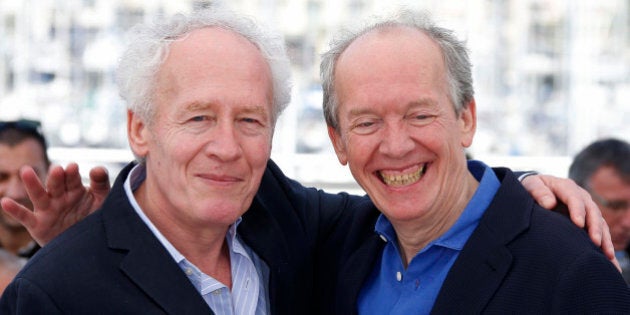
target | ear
x=338, y=144
x=468, y=123
x=137, y=134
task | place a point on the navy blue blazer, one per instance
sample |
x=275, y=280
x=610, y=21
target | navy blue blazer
x=521, y=258
x=111, y=263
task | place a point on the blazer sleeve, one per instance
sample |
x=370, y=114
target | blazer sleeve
x=590, y=273
x=24, y=297
x=319, y=209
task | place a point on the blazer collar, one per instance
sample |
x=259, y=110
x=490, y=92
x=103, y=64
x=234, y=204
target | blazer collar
x=354, y=273
x=480, y=267
x=263, y=232
x=486, y=259
x=146, y=262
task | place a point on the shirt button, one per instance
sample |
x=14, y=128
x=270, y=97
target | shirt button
x=189, y=271
x=216, y=292
x=383, y=238
x=398, y=276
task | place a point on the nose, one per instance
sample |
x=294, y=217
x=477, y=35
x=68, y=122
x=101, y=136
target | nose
x=396, y=140
x=225, y=144
x=14, y=188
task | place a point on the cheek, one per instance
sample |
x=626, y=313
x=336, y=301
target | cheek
x=448, y=134
x=257, y=151
x=359, y=149
x=176, y=148
x=611, y=219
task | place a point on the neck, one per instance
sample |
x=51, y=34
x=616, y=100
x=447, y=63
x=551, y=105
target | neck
x=214, y=261
x=207, y=249
x=414, y=235
x=202, y=243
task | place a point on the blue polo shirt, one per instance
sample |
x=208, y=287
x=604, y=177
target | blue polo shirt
x=390, y=289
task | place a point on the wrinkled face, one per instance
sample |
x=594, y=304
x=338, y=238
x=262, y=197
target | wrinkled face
x=612, y=195
x=12, y=158
x=209, y=142
x=398, y=131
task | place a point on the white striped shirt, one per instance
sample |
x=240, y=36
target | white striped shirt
x=249, y=273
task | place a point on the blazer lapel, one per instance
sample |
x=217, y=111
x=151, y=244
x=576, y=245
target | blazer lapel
x=161, y=279
x=475, y=276
x=262, y=233
x=486, y=259
x=147, y=263
x=354, y=273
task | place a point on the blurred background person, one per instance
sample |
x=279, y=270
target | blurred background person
x=603, y=169
x=21, y=143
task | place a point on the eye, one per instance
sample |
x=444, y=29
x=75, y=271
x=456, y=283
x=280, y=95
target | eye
x=198, y=123
x=3, y=177
x=364, y=126
x=618, y=206
x=422, y=119
x=250, y=120
x=253, y=125
x=199, y=118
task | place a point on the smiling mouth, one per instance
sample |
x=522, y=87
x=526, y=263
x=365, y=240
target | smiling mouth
x=402, y=179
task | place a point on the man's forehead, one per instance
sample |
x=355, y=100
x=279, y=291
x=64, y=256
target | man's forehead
x=393, y=49
x=211, y=49
x=407, y=38
x=212, y=38
x=27, y=152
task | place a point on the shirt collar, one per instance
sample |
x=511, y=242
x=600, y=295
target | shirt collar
x=458, y=234
x=133, y=181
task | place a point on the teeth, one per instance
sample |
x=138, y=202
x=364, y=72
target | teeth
x=402, y=179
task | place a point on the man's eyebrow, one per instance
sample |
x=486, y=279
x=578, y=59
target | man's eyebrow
x=256, y=110
x=197, y=106
x=359, y=111
x=206, y=105
x=422, y=102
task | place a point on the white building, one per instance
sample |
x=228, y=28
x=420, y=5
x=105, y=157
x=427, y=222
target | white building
x=550, y=75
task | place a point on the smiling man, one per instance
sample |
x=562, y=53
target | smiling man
x=454, y=236
x=203, y=94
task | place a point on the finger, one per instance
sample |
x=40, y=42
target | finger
x=55, y=183
x=595, y=231
x=577, y=201
x=18, y=212
x=616, y=263
x=543, y=195
x=99, y=181
x=34, y=187
x=607, y=244
x=73, y=177
x=594, y=219
x=577, y=213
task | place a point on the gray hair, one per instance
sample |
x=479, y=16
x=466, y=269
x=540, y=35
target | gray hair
x=610, y=152
x=149, y=46
x=458, y=67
